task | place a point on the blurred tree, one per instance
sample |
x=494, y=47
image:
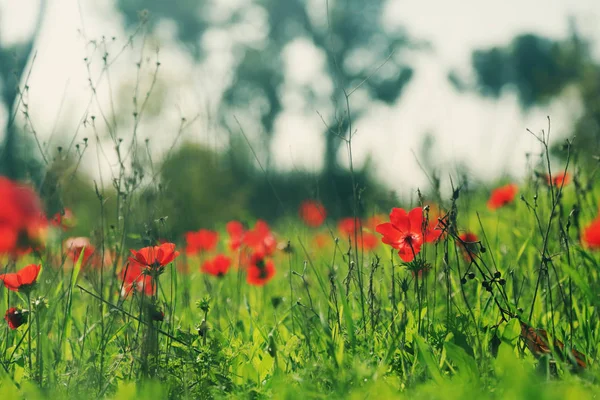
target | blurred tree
x=348, y=33
x=198, y=190
x=539, y=69
x=14, y=59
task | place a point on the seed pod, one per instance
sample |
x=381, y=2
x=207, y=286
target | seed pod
x=202, y=329
x=272, y=348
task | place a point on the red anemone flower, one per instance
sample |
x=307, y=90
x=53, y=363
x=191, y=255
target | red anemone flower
x=22, y=221
x=259, y=270
x=469, y=245
x=201, y=241
x=63, y=220
x=372, y=222
x=261, y=239
x=346, y=226
x=217, y=266
x=23, y=280
x=558, y=180
x=155, y=258
x=320, y=240
x=312, y=213
x=502, y=196
x=133, y=277
x=15, y=317
x=406, y=233
x=236, y=232
x=591, y=235
x=74, y=246
x=365, y=238
x=368, y=241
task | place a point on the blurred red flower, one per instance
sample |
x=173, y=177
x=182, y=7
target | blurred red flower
x=558, y=180
x=261, y=239
x=372, y=222
x=346, y=226
x=22, y=221
x=155, y=258
x=312, y=213
x=218, y=266
x=236, y=232
x=365, y=238
x=368, y=241
x=406, y=233
x=63, y=220
x=591, y=235
x=23, y=280
x=201, y=241
x=75, y=245
x=259, y=270
x=321, y=239
x=502, y=196
x=133, y=277
x=469, y=245
x=15, y=317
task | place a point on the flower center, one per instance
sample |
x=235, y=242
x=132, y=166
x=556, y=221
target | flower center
x=410, y=239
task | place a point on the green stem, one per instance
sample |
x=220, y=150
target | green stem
x=29, y=332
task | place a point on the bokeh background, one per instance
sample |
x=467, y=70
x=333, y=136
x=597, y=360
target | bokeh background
x=227, y=109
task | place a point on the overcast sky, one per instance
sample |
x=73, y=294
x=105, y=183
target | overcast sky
x=487, y=136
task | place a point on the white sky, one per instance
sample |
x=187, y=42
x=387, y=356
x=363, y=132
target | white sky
x=488, y=136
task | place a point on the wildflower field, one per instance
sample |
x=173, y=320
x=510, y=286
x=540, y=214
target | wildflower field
x=486, y=293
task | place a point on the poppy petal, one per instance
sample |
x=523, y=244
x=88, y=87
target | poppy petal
x=391, y=235
x=399, y=219
x=415, y=216
x=11, y=281
x=29, y=274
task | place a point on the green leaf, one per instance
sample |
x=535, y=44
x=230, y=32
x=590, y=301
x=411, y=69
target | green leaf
x=426, y=354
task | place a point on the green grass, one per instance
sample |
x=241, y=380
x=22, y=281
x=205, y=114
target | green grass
x=333, y=322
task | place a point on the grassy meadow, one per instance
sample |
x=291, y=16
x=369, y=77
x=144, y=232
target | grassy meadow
x=486, y=292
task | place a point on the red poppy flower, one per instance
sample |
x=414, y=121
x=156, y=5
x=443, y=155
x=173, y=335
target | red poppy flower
x=261, y=239
x=133, y=277
x=469, y=245
x=321, y=240
x=312, y=213
x=23, y=280
x=22, y=221
x=558, y=180
x=74, y=246
x=346, y=226
x=502, y=196
x=218, y=266
x=155, y=258
x=15, y=317
x=63, y=220
x=260, y=270
x=405, y=232
x=236, y=232
x=591, y=235
x=201, y=241
x=368, y=241
x=372, y=222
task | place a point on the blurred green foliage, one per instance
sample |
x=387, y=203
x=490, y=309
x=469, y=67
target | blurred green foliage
x=540, y=69
x=346, y=32
x=199, y=188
